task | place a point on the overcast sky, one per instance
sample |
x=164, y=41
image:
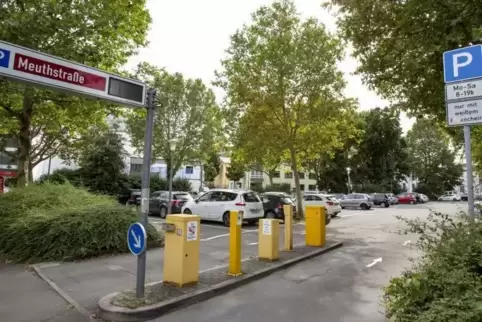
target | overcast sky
x=190, y=36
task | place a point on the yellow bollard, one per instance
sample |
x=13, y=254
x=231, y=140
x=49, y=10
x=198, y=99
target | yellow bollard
x=288, y=212
x=235, y=224
x=181, y=250
x=315, y=234
x=268, y=239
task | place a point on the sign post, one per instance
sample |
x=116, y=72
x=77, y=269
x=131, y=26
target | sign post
x=463, y=96
x=39, y=69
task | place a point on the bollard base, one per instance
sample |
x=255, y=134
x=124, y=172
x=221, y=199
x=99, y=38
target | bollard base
x=178, y=285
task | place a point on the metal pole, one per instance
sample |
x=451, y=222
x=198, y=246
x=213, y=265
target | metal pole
x=145, y=193
x=169, y=208
x=468, y=166
x=50, y=163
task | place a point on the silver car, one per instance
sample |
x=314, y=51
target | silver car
x=356, y=200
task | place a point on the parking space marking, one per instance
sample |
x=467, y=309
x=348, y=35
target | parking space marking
x=252, y=244
x=227, y=235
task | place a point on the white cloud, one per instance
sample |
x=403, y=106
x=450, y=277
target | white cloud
x=190, y=36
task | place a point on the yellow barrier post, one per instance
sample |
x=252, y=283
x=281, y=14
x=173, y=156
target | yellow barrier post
x=315, y=234
x=288, y=212
x=268, y=239
x=235, y=224
x=181, y=250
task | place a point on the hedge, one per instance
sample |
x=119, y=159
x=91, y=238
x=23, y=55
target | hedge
x=445, y=284
x=60, y=222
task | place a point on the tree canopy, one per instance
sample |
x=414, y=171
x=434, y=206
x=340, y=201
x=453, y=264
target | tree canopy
x=431, y=160
x=186, y=112
x=282, y=82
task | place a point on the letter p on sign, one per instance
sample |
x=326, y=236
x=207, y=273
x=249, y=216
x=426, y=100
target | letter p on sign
x=463, y=63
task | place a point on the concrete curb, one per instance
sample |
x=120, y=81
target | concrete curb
x=107, y=311
x=64, y=295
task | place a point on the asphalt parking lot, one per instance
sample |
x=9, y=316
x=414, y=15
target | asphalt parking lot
x=343, y=285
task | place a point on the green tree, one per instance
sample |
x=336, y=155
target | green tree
x=96, y=33
x=211, y=167
x=103, y=166
x=399, y=45
x=186, y=112
x=381, y=156
x=281, y=74
x=431, y=159
x=236, y=170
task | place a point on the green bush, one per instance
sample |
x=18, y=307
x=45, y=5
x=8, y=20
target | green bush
x=50, y=222
x=61, y=176
x=446, y=283
x=34, y=197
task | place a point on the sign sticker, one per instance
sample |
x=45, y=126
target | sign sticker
x=266, y=227
x=191, y=231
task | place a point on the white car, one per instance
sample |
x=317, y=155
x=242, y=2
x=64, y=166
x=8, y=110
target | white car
x=216, y=205
x=330, y=202
x=424, y=197
x=449, y=197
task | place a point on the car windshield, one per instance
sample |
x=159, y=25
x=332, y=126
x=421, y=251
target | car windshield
x=251, y=197
x=287, y=200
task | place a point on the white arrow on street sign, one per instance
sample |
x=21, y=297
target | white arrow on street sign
x=375, y=261
x=26, y=65
x=137, y=239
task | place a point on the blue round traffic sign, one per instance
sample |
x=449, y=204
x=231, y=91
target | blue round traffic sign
x=136, y=238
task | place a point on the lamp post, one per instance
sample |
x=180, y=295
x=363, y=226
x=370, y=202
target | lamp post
x=172, y=148
x=348, y=170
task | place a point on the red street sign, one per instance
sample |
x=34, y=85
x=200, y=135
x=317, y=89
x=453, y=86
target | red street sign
x=34, y=67
x=8, y=173
x=61, y=73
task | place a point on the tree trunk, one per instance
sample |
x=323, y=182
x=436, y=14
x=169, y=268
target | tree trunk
x=30, y=172
x=294, y=166
x=24, y=141
x=270, y=175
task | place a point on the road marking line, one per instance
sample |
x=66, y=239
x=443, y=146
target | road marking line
x=226, y=235
x=375, y=261
x=406, y=243
x=252, y=244
x=214, y=226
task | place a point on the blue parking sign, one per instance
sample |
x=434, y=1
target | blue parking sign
x=462, y=63
x=4, y=57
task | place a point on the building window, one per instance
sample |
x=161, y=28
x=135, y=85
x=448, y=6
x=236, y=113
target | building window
x=136, y=167
x=302, y=187
x=302, y=175
x=312, y=187
x=289, y=175
x=189, y=170
x=312, y=176
x=276, y=174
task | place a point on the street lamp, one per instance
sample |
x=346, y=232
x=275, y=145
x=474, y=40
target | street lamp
x=348, y=170
x=172, y=148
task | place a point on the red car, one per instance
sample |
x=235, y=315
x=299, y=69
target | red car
x=407, y=197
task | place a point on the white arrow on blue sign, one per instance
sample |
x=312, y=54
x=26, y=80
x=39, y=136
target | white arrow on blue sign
x=136, y=238
x=463, y=63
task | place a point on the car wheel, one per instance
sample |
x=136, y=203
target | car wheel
x=387, y=205
x=364, y=206
x=270, y=214
x=334, y=215
x=226, y=219
x=163, y=212
x=342, y=207
x=455, y=199
x=187, y=212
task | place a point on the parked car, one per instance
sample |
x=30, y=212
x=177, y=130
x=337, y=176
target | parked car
x=449, y=197
x=392, y=198
x=424, y=197
x=407, y=198
x=381, y=199
x=216, y=205
x=356, y=200
x=331, y=204
x=159, y=201
x=273, y=203
x=132, y=198
x=339, y=196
